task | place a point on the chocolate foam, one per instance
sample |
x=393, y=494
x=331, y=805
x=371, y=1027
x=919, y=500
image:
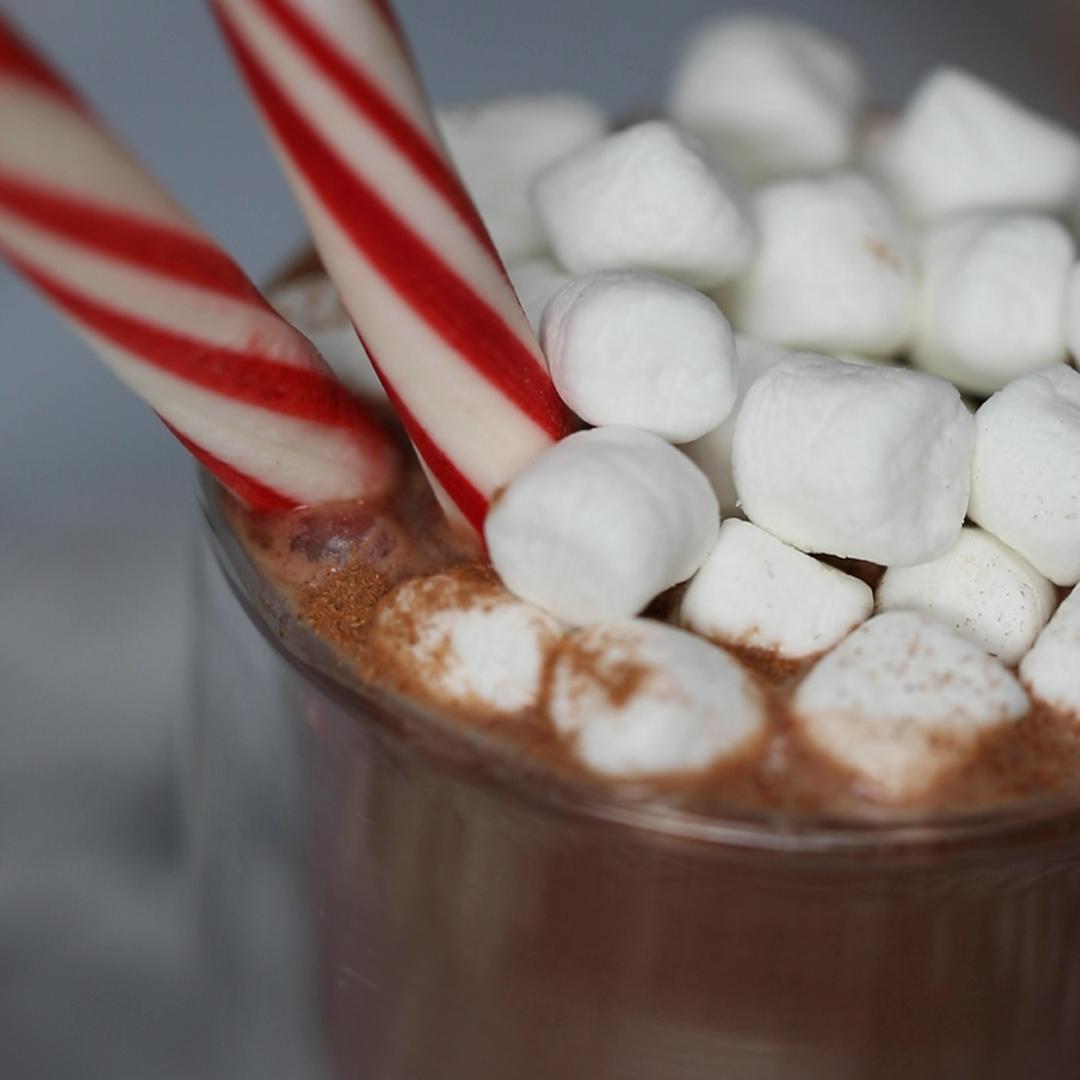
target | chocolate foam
x=333, y=566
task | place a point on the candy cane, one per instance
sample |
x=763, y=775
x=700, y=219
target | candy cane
x=166, y=310
x=400, y=238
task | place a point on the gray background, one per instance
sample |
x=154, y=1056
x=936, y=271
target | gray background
x=96, y=504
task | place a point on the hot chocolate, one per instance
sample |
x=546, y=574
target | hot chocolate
x=615, y=758
x=484, y=905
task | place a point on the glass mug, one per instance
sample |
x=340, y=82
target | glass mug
x=452, y=915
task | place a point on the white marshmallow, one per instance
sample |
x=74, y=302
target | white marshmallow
x=1025, y=480
x=1050, y=670
x=500, y=146
x=770, y=95
x=854, y=460
x=638, y=698
x=312, y=305
x=902, y=701
x=757, y=592
x=834, y=272
x=626, y=347
x=463, y=643
x=993, y=298
x=536, y=281
x=601, y=523
x=646, y=199
x=961, y=144
x=712, y=452
x=982, y=589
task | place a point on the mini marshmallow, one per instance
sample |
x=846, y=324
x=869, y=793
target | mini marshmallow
x=462, y=641
x=903, y=701
x=637, y=349
x=854, y=460
x=757, y=592
x=712, y=452
x=638, y=698
x=536, y=281
x=834, y=272
x=500, y=146
x=312, y=305
x=1025, y=480
x=962, y=144
x=601, y=523
x=982, y=589
x=1050, y=670
x=646, y=199
x=770, y=95
x=993, y=298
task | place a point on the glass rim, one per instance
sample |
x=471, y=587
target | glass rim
x=530, y=783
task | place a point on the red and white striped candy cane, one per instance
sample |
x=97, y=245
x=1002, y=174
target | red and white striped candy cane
x=169, y=312
x=400, y=238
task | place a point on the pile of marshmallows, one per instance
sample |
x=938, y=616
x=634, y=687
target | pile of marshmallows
x=725, y=296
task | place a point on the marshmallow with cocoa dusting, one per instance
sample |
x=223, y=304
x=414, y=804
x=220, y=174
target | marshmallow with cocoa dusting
x=1025, y=480
x=902, y=701
x=982, y=589
x=601, y=523
x=756, y=591
x=834, y=270
x=312, y=305
x=646, y=198
x=855, y=460
x=637, y=698
x=500, y=146
x=712, y=452
x=459, y=640
x=1051, y=670
x=632, y=348
x=993, y=298
x=770, y=95
x=962, y=144
x=536, y=281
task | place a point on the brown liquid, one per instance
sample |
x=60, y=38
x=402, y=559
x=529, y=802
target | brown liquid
x=467, y=934
x=475, y=919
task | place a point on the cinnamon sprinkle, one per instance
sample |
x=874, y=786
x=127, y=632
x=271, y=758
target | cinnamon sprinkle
x=619, y=679
x=340, y=607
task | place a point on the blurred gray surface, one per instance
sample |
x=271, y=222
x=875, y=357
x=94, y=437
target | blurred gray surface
x=97, y=503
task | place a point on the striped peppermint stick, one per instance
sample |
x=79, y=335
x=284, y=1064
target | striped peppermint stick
x=166, y=310
x=400, y=238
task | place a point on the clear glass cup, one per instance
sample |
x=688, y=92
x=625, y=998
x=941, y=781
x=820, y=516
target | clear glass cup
x=450, y=914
